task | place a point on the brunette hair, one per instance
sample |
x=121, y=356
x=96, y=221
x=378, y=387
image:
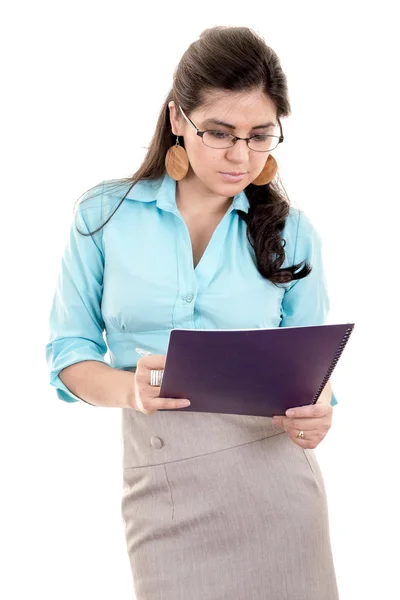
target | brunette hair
x=236, y=59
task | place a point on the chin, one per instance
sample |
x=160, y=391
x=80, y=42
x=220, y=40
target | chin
x=217, y=186
x=231, y=188
x=227, y=189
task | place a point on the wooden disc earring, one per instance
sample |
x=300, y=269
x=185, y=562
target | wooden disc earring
x=268, y=172
x=177, y=161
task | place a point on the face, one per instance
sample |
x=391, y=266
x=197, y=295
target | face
x=244, y=112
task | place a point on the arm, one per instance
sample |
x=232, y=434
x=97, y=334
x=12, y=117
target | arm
x=76, y=348
x=99, y=384
x=306, y=300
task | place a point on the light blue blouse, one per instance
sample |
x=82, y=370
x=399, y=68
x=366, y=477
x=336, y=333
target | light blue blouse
x=133, y=281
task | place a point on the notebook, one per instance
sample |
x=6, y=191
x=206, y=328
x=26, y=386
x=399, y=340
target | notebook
x=259, y=372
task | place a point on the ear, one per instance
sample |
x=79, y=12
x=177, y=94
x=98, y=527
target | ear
x=175, y=119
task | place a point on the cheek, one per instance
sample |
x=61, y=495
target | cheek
x=258, y=162
x=202, y=159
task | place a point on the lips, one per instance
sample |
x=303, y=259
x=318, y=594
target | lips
x=234, y=173
x=232, y=177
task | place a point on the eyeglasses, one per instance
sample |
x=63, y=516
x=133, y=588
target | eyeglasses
x=221, y=139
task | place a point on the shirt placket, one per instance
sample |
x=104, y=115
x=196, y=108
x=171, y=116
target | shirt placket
x=191, y=281
x=183, y=314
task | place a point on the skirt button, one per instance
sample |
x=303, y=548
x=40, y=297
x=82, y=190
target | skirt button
x=156, y=442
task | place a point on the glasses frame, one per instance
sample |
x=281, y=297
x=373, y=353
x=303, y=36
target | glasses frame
x=235, y=138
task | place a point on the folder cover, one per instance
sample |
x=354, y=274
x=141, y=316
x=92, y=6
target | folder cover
x=259, y=372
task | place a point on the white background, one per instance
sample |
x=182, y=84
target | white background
x=82, y=86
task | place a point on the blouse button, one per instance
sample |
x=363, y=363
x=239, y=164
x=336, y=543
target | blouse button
x=156, y=442
x=188, y=297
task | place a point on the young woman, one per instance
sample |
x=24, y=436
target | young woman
x=215, y=506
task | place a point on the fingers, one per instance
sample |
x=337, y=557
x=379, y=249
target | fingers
x=168, y=403
x=297, y=424
x=314, y=431
x=154, y=361
x=309, y=444
x=313, y=412
x=155, y=404
x=147, y=396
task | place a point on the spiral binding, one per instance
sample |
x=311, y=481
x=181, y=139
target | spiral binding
x=333, y=363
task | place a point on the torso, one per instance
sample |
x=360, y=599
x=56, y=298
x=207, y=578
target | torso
x=200, y=234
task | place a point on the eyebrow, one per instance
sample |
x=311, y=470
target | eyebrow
x=218, y=122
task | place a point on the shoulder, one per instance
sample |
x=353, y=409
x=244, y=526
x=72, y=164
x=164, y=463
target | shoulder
x=300, y=235
x=99, y=202
x=298, y=223
x=145, y=190
x=88, y=209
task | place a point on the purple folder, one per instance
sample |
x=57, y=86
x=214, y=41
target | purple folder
x=260, y=372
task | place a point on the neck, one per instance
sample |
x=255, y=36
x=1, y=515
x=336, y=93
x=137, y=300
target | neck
x=194, y=199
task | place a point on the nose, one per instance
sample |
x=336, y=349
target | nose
x=239, y=152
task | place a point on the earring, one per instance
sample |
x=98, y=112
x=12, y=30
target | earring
x=268, y=172
x=176, y=161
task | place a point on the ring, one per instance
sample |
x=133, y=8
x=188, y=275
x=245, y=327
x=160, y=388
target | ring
x=300, y=434
x=156, y=376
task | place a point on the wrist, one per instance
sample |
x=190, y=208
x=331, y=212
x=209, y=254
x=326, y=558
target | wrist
x=128, y=399
x=326, y=394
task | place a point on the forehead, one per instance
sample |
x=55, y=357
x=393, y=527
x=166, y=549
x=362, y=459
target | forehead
x=239, y=108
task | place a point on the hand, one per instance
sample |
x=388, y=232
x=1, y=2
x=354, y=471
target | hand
x=315, y=420
x=147, y=398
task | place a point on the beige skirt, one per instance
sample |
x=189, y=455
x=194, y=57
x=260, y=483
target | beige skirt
x=223, y=507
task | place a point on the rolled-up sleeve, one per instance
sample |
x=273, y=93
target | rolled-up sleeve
x=306, y=301
x=75, y=323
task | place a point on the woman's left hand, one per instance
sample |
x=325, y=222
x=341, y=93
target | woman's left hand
x=315, y=420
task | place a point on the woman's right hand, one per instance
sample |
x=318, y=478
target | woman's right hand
x=147, y=398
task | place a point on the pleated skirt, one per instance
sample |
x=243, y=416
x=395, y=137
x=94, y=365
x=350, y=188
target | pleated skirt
x=223, y=507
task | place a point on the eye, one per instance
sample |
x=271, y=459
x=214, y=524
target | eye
x=260, y=138
x=219, y=135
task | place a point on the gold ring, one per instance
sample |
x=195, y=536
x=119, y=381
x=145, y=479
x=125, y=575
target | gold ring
x=300, y=434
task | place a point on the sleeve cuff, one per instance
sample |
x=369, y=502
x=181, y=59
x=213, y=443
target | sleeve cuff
x=64, y=393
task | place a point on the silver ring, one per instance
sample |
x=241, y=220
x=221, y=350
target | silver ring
x=156, y=376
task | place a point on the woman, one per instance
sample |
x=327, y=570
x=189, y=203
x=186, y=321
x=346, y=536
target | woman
x=215, y=506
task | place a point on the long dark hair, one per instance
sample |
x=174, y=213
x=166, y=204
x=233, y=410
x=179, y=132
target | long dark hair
x=237, y=59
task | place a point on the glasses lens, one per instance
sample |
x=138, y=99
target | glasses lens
x=220, y=139
x=217, y=139
x=264, y=143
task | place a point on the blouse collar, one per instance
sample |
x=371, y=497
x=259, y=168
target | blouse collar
x=163, y=191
